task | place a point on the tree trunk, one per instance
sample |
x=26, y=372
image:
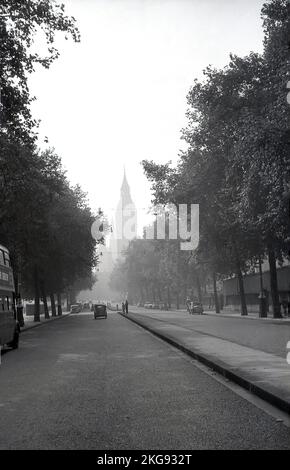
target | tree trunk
x=168, y=297
x=160, y=293
x=261, y=276
x=36, y=296
x=177, y=296
x=185, y=292
x=68, y=301
x=274, y=283
x=52, y=301
x=199, y=292
x=16, y=285
x=43, y=294
x=244, y=310
x=72, y=300
x=59, y=309
x=147, y=293
x=216, y=300
x=154, y=294
x=192, y=293
x=141, y=294
x=177, y=286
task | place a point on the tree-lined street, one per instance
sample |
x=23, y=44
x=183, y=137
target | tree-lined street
x=201, y=119
x=107, y=384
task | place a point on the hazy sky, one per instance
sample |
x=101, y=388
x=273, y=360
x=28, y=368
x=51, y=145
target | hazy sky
x=120, y=95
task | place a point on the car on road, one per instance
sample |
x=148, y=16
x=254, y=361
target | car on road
x=196, y=307
x=114, y=305
x=100, y=311
x=148, y=305
x=75, y=308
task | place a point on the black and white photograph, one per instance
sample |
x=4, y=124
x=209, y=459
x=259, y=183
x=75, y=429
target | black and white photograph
x=144, y=228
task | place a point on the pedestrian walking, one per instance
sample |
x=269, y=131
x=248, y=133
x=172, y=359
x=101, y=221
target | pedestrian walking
x=126, y=306
x=123, y=307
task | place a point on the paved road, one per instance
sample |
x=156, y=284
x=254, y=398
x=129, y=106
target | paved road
x=266, y=336
x=107, y=384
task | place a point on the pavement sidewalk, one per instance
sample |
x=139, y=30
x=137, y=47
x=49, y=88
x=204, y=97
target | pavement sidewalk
x=264, y=374
x=251, y=315
x=29, y=321
x=232, y=314
x=236, y=314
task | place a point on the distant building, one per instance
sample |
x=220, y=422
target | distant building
x=123, y=229
x=231, y=291
x=106, y=259
x=126, y=219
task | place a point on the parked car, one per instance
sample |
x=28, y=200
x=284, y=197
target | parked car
x=196, y=307
x=113, y=305
x=156, y=306
x=148, y=305
x=75, y=308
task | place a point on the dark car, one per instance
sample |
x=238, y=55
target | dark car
x=148, y=305
x=75, y=308
x=100, y=311
x=196, y=307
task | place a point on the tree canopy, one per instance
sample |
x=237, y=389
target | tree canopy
x=237, y=165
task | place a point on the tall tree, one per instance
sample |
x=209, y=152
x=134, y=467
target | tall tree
x=20, y=24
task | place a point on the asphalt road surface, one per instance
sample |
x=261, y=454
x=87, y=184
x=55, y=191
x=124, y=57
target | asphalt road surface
x=80, y=383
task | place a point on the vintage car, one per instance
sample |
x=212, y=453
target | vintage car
x=196, y=307
x=148, y=305
x=100, y=311
x=75, y=308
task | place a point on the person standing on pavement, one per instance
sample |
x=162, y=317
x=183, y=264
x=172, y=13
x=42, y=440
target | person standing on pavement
x=19, y=312
x=126, y=306
x=284, y=306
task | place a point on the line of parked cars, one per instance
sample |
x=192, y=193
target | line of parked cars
x=154, y=305
x=99, y=308
x=80, y=307
x=193, y=307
